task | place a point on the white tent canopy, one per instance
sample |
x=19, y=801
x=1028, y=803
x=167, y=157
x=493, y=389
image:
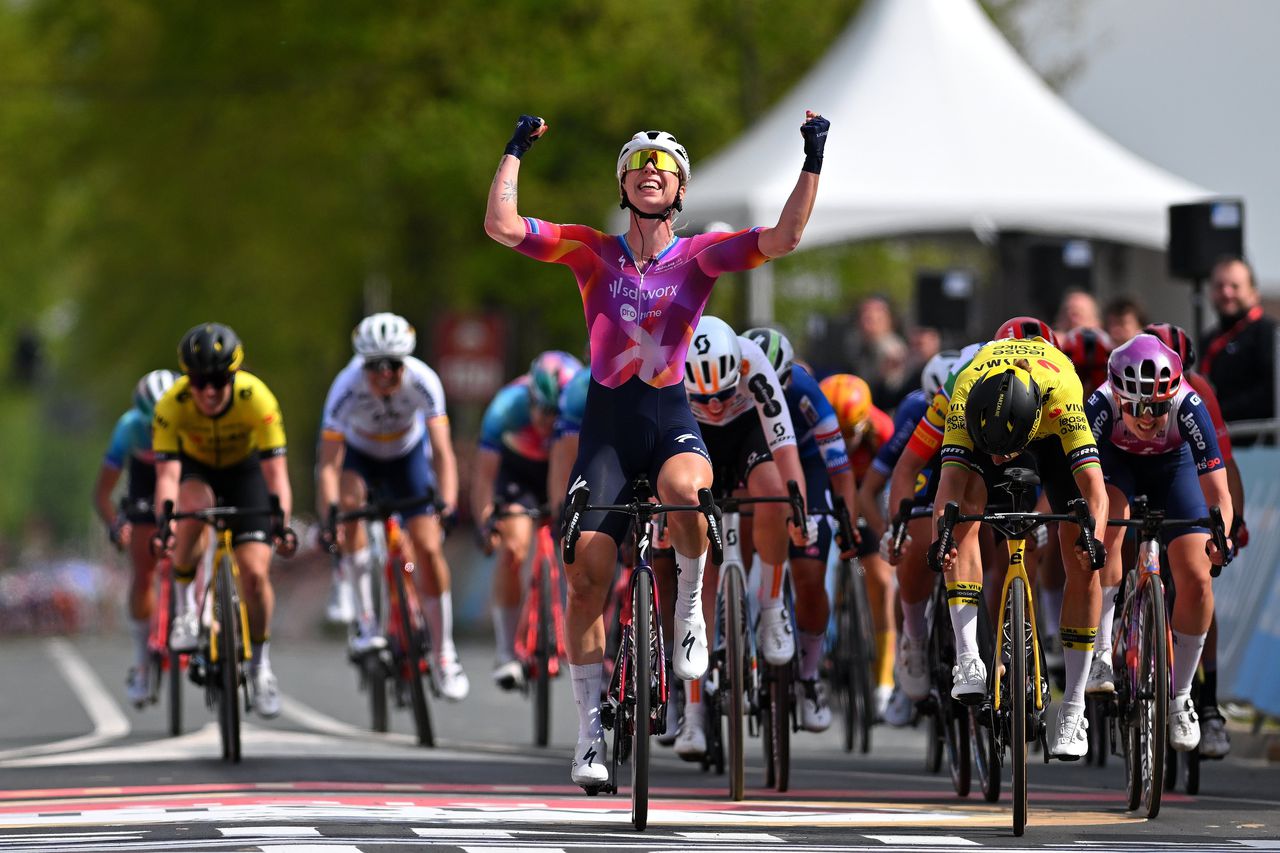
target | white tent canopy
x=937, y=125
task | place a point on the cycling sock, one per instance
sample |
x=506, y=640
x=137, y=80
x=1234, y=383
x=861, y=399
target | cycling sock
x=689, y=572
x=356, y=572
x=1186, y=657
x=1102, y=643
x=506, y=621
x=141, y=629
x=886, y=651
x=810, y=654
x=1077, y=654
x=771, y=585
x=1050, y=610
x=260, y=656
x=184, y=595
x=963, y=600
x=1209, y=689
x=693, y=699
x=914, y=622
x=586, y=695
x=439, y=612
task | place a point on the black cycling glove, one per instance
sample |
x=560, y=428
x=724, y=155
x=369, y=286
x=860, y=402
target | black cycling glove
x=814, y=131
x=523, y=137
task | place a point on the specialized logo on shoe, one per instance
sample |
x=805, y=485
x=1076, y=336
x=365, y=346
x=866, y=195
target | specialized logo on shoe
x=589, y=756
x=687, y=644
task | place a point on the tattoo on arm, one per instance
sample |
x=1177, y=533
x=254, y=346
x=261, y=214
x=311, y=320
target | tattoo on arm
x=509, y=191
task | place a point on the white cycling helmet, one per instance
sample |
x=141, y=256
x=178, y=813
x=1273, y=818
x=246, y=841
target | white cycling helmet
x=776, y=347
x=714, y=360
x=936, y=371
x=660, y=140
x=151, y=388
x=384, y=335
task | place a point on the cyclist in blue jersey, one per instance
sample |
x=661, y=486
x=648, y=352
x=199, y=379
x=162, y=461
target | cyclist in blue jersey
x=511, y=471
x=131, y=526
x=643, y=292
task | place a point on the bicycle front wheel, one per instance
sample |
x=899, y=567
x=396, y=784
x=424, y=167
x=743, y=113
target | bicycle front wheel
x=228, y=619
x=1152, y=702
x=957, y=735
x=852, y=674
x=544, y=642
x=413, y=664
x=643, y=625
x=175, y=666
x=734, y=687
x=1015, y=697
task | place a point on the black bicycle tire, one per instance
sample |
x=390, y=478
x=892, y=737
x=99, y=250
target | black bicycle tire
x=935, y=743
x=229, y=655
x=734, y=688
x=175, y=670
x=842, y=663
x=1154, y=656
x=413, y=660
x=864, y=659
x=642, y=624
x=984, y=750
x=375, y=675
x=1016, y=700
x=1191, y=777
x=780, y=724
x=958, y=759
x=542, y=659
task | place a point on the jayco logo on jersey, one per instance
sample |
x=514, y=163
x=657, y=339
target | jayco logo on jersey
x=1192, y=428
x=618, y=287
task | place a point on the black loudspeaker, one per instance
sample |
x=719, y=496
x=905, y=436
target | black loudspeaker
x=942, y=299
x=1201, y=233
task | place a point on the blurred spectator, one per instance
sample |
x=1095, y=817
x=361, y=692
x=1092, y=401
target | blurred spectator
x=1238, y=354
x=25, y=366
x=1078, y=310
x=923, y=342
x=1123, y=318
x=881, y=356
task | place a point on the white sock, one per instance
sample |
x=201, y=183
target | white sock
x=183, y=597
x=1186, y=657
x=914, y=622
x=439, y=613
x=141, y=630
x=357, y=571
x=586, y=695
x=1077, y=664
x=260, y=656
x=689, y=584
x=810, y=655
x=506, y=621
x=1102, y=643
x=963, y=600
x=693, y=703
x=771, y=578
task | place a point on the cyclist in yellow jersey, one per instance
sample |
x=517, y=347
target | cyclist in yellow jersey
x=1022, y=399
x=219, y=440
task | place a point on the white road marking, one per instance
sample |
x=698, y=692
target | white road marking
x=269, y=831
x=924, y=840
x=758, y=837
x=308, y=848
x=109, y=721
x=456, y=832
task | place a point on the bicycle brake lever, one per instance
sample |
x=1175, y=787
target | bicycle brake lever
x=715, y=536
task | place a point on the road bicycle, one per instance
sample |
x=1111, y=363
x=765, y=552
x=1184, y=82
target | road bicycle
x=1017, y=692
x=223, y=650
x=635, y=705
x=1142, y=652
x=733, y=693
x=853, y=655
x=403, y=666
x=540, y=630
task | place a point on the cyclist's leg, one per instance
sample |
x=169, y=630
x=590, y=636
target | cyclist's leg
x=194, y=493
x=1101, y=674
x=964, y=594
x=244, y=486
x=1214, y=740
x=519, y=484
x=357, y=560
x=915, y=585
x=880, y=595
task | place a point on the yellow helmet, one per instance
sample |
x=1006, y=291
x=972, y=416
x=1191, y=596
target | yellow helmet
x=850, y=396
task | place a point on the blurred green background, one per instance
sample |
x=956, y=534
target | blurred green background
x=282, y=166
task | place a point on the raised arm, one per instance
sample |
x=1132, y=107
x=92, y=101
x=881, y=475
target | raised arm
x=785, y=236
x=502, y=221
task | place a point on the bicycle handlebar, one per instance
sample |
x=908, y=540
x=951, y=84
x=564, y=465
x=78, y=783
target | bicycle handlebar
x=1150, y=522
x=642, y=509
x=373, y=511
x=1017, y=525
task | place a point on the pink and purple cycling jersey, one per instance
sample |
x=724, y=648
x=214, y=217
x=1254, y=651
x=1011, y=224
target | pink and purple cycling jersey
x=1188, y=424
x=640, y=324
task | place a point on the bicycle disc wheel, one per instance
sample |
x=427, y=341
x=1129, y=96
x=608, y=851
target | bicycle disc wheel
x=1016, y=699
x=957, y=728
x=1153, y=697
x=175, y=670
x=542, y=650
x=642, y=622
x=229, y=660
x=732, y=692
x=411, y=667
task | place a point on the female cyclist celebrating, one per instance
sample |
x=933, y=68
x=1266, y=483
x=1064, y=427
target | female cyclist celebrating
x=642, y=293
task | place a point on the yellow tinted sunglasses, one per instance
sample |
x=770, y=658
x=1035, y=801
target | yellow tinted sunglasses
x=662, y=161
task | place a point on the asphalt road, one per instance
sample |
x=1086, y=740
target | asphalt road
x=80, y=770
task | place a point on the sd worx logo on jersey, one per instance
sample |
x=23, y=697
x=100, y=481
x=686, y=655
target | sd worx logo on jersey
x=619, y=288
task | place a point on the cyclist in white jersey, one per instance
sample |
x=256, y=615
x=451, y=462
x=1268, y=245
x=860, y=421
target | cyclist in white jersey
x=385, y=428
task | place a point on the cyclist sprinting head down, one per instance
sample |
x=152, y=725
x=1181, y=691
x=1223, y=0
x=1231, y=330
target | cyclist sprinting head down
x=642, y=292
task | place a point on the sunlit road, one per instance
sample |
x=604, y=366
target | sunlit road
x=79, y=770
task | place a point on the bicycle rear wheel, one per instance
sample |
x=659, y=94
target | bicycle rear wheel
x=412, y=666
x=957, y=735
x=643, y=625
x=734, y=688
x=375, y=681
x=778, y=727
x=1016, y=699
x=175, y=663
x=852, y=656
x=544, y=643
x=1152, y=702
x=228, y=620
x=984, y=748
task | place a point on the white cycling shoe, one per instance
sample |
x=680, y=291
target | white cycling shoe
x=266, y=692
x=451, y=680
x=969, y=680
x=1072, y=739
x=590, y=767
x=184, y=631
x=1214, y=741
x=138, y=686
x=901, y=711
x=1184, y=724
x=774, y=636
x=912, y=668
x=689, y=659
x=364, y=641
x=1102, y=678
x=691, y=743
x=882, y=696
x=815, y=709
x=509, y=675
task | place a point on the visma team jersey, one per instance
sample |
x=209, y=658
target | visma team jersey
x=817, y=427
x=1061, y=395
x=641, y=324
x=1188, y=423
x=573, y=404
x=758, y=389
x=130, y=438
x=508, y=423
x=383, y=427
x=250, y=424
